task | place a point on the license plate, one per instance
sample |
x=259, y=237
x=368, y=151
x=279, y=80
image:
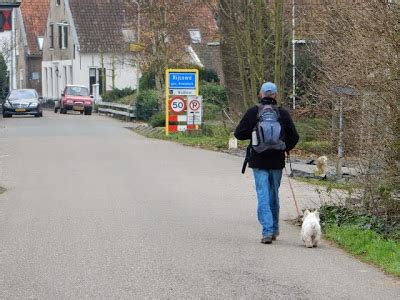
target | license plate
x=20, y=109
x=78, y=107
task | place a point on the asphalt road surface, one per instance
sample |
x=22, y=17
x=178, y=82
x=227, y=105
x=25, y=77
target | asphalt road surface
x=94, y=210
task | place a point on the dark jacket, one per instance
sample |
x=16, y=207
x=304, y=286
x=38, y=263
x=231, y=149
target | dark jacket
x=269, y=159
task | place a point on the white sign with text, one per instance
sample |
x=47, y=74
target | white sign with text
x=195, y=110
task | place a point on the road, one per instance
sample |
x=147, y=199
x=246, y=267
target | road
x=94, y=210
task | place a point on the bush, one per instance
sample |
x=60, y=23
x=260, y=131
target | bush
x=313, y=129
x=208, y=75
x=147, y=104
x=147, y=81
x=341, y=216
x=116, y=94
x=211, y=111
x=3, y=78
x=213, y=93
x=315, y=147
x=158, y=119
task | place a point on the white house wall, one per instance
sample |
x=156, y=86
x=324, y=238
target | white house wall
x=125, y=73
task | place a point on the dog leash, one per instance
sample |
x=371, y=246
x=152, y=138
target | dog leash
x=291, y=187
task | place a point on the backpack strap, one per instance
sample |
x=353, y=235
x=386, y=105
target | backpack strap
x=273, y=106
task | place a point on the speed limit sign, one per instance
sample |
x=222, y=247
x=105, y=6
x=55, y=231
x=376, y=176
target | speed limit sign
x=178, y=104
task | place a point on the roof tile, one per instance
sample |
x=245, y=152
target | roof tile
x=34, y=14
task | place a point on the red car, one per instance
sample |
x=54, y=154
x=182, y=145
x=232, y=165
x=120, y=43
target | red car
x=75, y=98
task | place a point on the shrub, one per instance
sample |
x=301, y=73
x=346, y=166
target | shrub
x=208, y=75
x=147, y=81
x=316, y=147
x=147, y=104
x=3, y=77
x=213, y=93
x=158, y=119
x=211, y=111
x=116, y=94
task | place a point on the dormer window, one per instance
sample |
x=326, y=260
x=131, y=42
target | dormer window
x=195, y=36
x=40, y=40
x=129, y=35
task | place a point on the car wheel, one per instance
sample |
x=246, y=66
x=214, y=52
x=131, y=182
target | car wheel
x=63, y=111
x=81, y=112
x=55, y=109
x=37, y=115
x=88, y=112
x=41, y=114
x=6, y=116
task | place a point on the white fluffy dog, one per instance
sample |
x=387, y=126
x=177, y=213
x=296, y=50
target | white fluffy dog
x=310, y=229
x=322, y=166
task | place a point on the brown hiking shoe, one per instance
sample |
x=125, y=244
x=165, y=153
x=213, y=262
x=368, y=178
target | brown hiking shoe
x=266, y=240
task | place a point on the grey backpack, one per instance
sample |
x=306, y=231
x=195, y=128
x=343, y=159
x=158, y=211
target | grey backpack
x=268, y=132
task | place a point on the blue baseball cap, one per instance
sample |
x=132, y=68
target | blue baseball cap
x=268, y=87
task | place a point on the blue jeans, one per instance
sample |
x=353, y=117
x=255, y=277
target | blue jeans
x=267, y=188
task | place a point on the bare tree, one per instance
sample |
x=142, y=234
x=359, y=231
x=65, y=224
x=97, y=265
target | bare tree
x=359, y=50
x=164, y=35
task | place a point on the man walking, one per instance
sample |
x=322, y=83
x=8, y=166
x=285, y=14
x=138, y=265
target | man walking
x=272, y=133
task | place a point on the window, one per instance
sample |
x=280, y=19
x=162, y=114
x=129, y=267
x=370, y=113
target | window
x=58, y=2
x=129, y=35
x=21, y=94
x=60, y=36
x=40, y=40
x=35, y=76
x=195, y=36
x=77, y=91
x=51, y=36
x=65, y=37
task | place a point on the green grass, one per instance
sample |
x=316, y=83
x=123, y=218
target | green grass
x=326, y=183
x=211, y=137
x=314, y=136
x=367, y=245
x=2, y=190
x=311, y=132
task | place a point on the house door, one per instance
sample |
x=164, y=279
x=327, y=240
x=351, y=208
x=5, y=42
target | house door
x=97, y=76
x=92, y=79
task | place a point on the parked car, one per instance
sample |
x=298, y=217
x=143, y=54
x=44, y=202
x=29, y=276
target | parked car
x=75, y=98
x=22, y=102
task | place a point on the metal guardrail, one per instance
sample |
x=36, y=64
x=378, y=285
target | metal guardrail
x=110, y=108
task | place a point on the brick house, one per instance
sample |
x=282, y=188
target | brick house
x=86, y=43
x=30, y=26
x=207, y=48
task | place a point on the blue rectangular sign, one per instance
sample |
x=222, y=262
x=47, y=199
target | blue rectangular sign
x=181, y=80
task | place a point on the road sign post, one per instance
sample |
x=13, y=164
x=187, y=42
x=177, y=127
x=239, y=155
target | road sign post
x=180, y=84
x=195, y=110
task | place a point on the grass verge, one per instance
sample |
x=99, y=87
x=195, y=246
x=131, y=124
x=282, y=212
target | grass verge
x=211, y=137
x=216, y=137
x=326, y=183
x=368, y=245
x=374, y=239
